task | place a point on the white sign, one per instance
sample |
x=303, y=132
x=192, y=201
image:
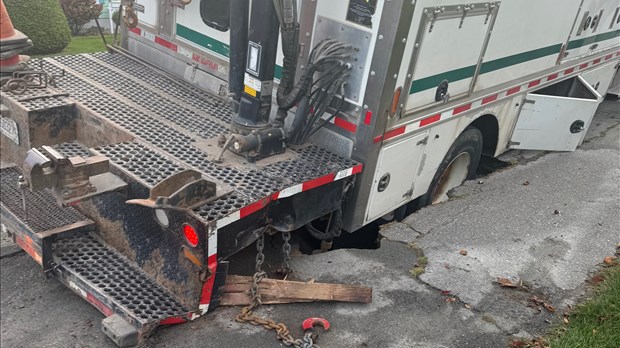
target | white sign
x=252, y=82
x=9, y=128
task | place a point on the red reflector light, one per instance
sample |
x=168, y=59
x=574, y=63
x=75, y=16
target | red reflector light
x=190, y=235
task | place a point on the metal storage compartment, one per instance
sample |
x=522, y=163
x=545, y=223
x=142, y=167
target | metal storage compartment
x=556, y=118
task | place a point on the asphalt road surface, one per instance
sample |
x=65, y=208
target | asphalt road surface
x=544, y=224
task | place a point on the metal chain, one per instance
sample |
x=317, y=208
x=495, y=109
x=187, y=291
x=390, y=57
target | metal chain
x=286, y=251
x=247, y=315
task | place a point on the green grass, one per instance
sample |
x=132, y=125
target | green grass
x=82, y=44
x=421, y=261
x=595, y=323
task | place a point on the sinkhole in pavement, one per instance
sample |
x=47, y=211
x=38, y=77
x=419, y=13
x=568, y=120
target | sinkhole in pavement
x=302, y=242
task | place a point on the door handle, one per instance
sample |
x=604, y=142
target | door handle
x=577, y=126
x=383, y=182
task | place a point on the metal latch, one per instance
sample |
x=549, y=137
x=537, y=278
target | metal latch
x=433, y=16
x=465, y=9
x=383, y=182
x=577, y=127
x=491, y=8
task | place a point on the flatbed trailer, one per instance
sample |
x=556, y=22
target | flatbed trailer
x=125, y=187
x=126, y=114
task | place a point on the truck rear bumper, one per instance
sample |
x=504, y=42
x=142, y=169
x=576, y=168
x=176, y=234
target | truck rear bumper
x=65, y=244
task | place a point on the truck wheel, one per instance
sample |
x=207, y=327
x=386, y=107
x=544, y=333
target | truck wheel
x=459, y=164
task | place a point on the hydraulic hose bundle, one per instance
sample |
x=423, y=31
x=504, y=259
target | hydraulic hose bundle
x=253, y=134
x=311, y=96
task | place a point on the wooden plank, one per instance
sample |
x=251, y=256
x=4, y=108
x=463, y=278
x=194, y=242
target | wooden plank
x=236, y=292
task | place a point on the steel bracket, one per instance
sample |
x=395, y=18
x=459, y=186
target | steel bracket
x=182, y=191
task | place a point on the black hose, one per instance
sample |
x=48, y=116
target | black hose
x=333, y=230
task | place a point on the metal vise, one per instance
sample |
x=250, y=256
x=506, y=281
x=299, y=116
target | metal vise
x=67, y=177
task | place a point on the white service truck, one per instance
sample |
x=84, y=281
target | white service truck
x=218, y=120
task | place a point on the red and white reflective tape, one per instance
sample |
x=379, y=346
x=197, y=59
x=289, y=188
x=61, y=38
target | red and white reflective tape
x=343, y=123
x=180, y=50
x=207, y=287
x=288, y=192
x=488, y=99
x=107, y=311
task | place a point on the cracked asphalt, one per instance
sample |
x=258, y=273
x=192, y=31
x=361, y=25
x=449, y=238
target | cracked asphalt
x=544, y=223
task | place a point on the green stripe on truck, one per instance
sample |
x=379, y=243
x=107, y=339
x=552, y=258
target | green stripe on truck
x=467, y=72
x=212, y=44
x=501, y=63
x=592, y=39
x=207, y=42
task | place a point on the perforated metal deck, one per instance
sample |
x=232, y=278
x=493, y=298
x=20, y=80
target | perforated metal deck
x=42, y=211
x=88, y=263
x=168, y=118
x=117, y=281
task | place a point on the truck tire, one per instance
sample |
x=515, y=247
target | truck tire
x=459, y=164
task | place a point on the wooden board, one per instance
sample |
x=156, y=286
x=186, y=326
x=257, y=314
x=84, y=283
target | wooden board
x=236, y=292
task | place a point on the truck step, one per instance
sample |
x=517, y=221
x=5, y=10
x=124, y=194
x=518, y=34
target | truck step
x=113, y=283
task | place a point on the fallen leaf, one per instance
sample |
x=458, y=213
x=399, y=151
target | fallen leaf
x=506, y=283
x=566, y=321
x=537, y=301
x=445, y=292
x=525, y=183
x=548, y=307
x=597, y=279
x=463, y=252
x=609, y=260
x=450, y=299
x=539, y=342
x=468, y=306
x=518, y=343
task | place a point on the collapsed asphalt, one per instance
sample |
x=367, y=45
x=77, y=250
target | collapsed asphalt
x=543, y=224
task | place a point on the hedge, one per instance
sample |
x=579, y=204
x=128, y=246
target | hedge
x=43, y=22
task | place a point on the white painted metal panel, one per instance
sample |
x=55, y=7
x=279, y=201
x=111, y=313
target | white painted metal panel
x=448, y=45
x=399, y=160
x=527, y=38
x=615, y=85
x=545, y=121
x=601, y=77
x=190, y=28
x=151, y=12
x=596, y=28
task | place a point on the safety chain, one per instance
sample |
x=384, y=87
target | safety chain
x=286, y=251
x=247, y=315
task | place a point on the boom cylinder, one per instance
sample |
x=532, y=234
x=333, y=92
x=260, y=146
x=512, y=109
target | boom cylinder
x=239, y=16
x=262, y=45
